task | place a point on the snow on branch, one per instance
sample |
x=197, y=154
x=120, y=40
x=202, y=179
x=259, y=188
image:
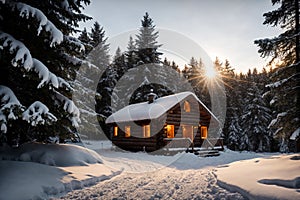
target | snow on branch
x=38, y=113
x=77, y=61
x=71, y=108
x=8, y=98
x=10, y=106
x=22, y=52
x=276, y=84
x=74, y=42
x=27, y=11
x=44, y=74
x=64, y=84
x=281, y=82
x=295, y=134
x=23, y=58
x=72, y=59
x=279, y=116
x=65, y=5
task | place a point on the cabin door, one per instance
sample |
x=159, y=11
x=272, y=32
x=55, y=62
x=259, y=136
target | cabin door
x=188, y=132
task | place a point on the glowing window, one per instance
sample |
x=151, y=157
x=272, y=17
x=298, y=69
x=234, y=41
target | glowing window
x=146, y=130
x=115, y=131
x=203, y=132
x=170, y=131
x=127, y=131
x=187, y=106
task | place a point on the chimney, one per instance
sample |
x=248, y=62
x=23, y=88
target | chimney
x=151, y=96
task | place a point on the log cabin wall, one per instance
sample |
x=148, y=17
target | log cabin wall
x=137, y=141
x=180, y=116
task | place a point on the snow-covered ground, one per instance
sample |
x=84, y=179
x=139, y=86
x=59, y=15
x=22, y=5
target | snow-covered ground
x=276, y=177
x=125, y=175
x=36, y=171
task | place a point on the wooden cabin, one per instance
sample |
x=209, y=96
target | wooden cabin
x=175, y=121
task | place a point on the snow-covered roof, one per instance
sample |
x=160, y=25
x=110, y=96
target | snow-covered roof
x=145, y=110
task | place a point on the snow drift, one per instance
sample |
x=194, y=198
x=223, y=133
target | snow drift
x=61, y=155
x=276, y=177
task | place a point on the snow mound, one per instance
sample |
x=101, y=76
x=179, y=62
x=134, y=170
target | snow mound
x=276, y=177
x=61, y=155
x=28, y=180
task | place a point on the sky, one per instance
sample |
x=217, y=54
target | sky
x=222, y=28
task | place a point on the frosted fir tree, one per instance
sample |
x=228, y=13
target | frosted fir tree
x=285, y=81
x=255, y=119
x=140, y=53
x=226, y=72
x=236, y=100
x=131, y=54
x=86, y=41
x=97, y=61
x=37, y=67
x=99, y=56
x=234, y=134
x=146, y=42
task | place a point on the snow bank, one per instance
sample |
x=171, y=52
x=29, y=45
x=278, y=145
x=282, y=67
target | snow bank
x=276, y=177
x=62, y=155
x=28, y=180
x=33, y=180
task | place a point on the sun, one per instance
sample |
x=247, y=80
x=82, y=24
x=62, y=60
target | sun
x=210, y=73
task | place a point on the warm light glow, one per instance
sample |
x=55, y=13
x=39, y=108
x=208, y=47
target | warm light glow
x=203, y=132
x=170, y=131
x=146, y=130
x=115, y=131
x=127, y=131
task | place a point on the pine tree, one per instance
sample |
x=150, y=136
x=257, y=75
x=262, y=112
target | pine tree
x=86, y=40
x=139, y=54
x=284, y=79
x=99, y=56
x=84, y=37
x=255, y=119
x=234, y=132
x=146, y=42
x=97, y=34
x=131, y=54
x=226, y=71
x=38, y=64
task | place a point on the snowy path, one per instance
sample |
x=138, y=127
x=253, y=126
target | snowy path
x=167, y=183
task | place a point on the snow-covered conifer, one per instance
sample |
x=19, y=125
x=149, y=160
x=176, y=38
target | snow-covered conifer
x=38, y=63
x=285, y=79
